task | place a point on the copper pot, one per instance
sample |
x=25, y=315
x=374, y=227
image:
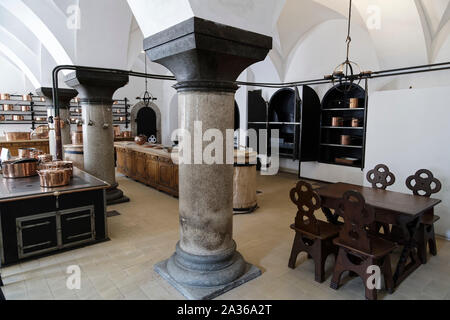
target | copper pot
x=41, y=119
x=27, y=153
x=127, y=134
x=354, y=102
x=54, y=178
x=42, y=99
x=122, y=119
x=44, y=158
x=27, y=97
x=17, y=117
x=140, y=139
x=2, y=118
x=5, y=96
x=337, y=121
x=8, y=107
x=25, y=108
x=117, y=131
x=346, y=140
x=77, y=137
x=21, y=168
x=15, y=136
x=355, y=122
x=55, y=165
x=41, y=132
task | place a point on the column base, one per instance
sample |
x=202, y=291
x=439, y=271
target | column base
x=206, y=277
x=206, y=293
x=115, y=196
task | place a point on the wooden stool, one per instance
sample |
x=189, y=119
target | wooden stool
x=360, y=249
x=311, y=235
x=381, y=177
x=422, y=186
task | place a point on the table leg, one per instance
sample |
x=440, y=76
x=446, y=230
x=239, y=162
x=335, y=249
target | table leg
x=331, y=217
x=404, y=269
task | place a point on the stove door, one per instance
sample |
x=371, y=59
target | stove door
x=37, y=234
x=77, y=226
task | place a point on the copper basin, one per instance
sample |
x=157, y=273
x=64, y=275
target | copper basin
x=15, y=136
x=21, y=168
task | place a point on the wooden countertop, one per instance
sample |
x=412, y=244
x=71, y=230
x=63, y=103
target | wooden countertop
x=3, y=140
x=245, y=156
x=28, y=188
x=144, y=149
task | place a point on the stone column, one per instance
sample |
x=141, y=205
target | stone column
x=206, y=58
x=96, y=90
x=64, y=97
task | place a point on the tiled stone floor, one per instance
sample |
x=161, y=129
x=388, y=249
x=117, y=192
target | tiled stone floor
x=147, y=231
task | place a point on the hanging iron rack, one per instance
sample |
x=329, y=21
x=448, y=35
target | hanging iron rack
x=325, y=80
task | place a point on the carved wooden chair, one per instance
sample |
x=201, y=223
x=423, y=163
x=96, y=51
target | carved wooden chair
x=312, y=236
x=359, y=249
x=423, y=183
x=381, y=177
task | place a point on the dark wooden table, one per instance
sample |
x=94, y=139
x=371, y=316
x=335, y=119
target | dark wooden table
x=395, y=208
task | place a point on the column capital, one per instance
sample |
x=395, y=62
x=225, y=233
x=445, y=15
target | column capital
x=204, y=55
x=96, y=86
x=64, y=95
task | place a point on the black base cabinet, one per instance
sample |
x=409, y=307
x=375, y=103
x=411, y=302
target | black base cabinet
x=34, y=227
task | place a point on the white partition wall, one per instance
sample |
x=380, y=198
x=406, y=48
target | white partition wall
x=410, y=130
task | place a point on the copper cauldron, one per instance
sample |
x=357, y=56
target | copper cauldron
x=13, y=169
x=140, y=139
x=26, y=153
x=5, y=96
x=57, y=165
x=54, y=178
x=77, y=137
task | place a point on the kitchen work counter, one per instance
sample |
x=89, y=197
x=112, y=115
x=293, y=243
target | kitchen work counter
x=36, y=221
x=155, y=168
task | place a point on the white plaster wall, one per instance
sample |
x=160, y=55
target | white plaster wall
x=408, y=130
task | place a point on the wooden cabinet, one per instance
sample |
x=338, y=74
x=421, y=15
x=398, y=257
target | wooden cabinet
x=155, y=170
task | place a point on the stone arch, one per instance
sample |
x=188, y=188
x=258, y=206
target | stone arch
x=134, y=113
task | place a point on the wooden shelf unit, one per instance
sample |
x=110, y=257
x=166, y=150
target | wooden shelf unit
x=336, y=103
x=295, y=113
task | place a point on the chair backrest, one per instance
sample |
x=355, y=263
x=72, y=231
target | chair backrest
x=423, y=183
x=358, y=218
x=381, y=177
x=307, y=201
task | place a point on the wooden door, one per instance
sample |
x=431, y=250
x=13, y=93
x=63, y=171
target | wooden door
x=175, y=178
x=121, y=160
x=166, y=178
x=130, y=163
x=151, y=164
x=141, y=171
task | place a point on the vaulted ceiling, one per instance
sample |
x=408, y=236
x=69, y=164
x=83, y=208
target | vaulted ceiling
x=35, y=36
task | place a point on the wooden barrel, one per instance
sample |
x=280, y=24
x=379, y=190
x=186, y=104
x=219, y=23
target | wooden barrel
x=75, y=154
x=244, y=183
